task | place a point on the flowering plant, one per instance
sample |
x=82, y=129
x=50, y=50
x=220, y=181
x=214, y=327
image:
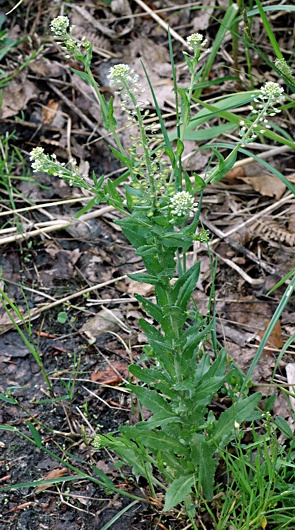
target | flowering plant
x=177, y=449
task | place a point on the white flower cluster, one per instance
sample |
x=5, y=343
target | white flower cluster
x=59, y=26
x=97, y=442
x=182, y=204
x=196, y=41
x=49, y=164
x=125, y=80
x=270, y=94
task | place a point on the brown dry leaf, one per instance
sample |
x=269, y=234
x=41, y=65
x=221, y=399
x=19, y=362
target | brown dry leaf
x=274, y=341
x=237, y=173
x=55, y=473
x=134, y=287
x=109, y=376
x=103, y=322
x=267, y=185
x=17, y=95
x=49, y=112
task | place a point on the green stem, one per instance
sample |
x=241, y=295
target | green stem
x=102, y=104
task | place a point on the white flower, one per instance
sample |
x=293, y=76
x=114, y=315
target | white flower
x=97, y=442
x=183, y=204
x=120, y=74
x=59, y=26
x=196, y=41
x=272, y=92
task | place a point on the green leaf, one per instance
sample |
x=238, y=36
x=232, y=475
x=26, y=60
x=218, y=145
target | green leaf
x=152, y=400
x=126, y=161
x=284, y=427
x=148, y=375
x=155, y=311
x=179, y=489
x=62, y=317
x=8, y=399
x=155, y=440
x=206, y=470
x=36, y=436
x=144, y=278
x=185, y=285
x=36, y=483
x=269, y=402
x=199, y=184
x=83, y=76
x=224, y=428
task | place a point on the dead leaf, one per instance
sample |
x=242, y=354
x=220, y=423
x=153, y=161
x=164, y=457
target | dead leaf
x=267, y=185
x=103, y=322
x=49, y=112
x=17, y=95
x=139, y=288
x=55, y=473
x=274, y=341
x=237, y=173
x=109, y=375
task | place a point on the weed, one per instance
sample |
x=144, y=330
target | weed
x=179, y=448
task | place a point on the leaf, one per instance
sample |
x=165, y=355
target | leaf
x=144, y=278
x=55, y=473
x=128, y=162
x=274, y=341
x=148, y=375
x=156, y=440
x=8, y=399
x=49, y=111
x=206, y=470
x=185, y=285
x=179, y=489
x=36, y=436
x=284, y=427
x=223, y=429
x=154, y=310
x=152, y=400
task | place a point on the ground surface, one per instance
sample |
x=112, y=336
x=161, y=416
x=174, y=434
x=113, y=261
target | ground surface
x=79, y=272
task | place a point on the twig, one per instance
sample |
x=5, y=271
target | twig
x=161, y=22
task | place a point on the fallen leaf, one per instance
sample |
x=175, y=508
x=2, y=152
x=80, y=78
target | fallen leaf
x=237, y=173
x=16, y=96
x=274, y=341
x=49, y=112
x=267, y=185
x=110, y=375
x=103, y=322
x=55, y=473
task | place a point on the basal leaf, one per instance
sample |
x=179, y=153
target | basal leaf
x=178, y=491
